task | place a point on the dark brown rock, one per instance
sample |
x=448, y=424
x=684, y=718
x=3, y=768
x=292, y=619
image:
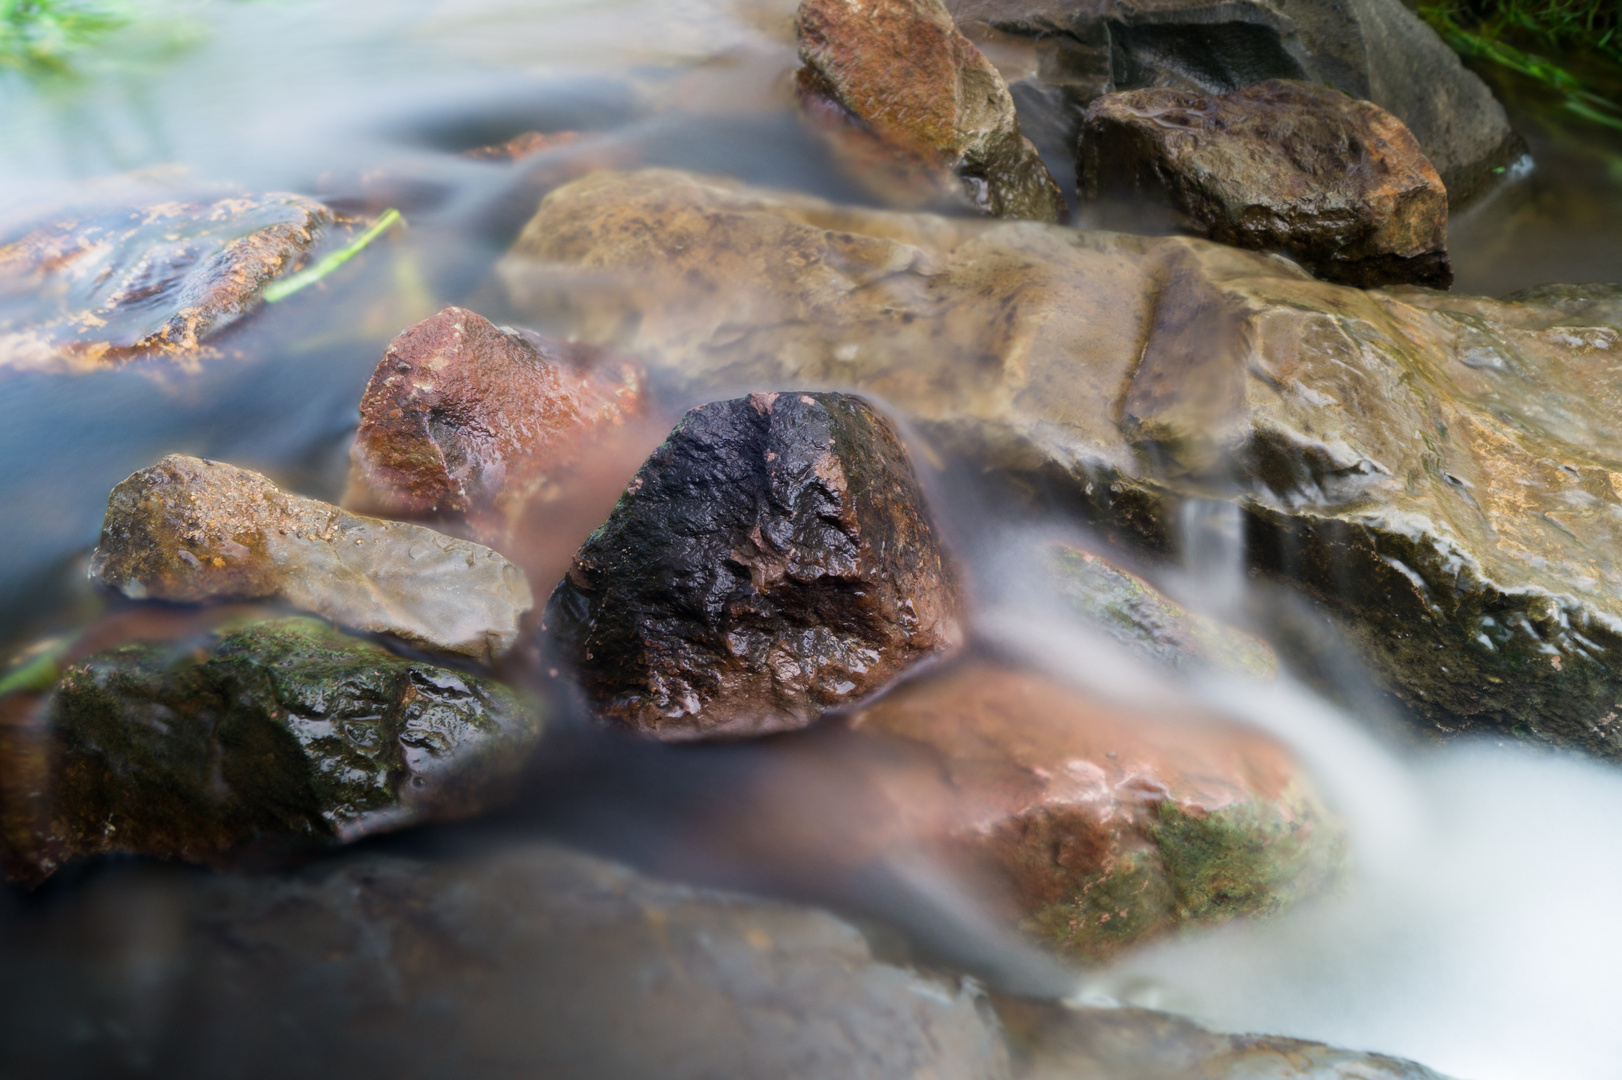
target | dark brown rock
x=773, y=559
x=465, y=419
x=191, y=530
x=104, y=286
x=1111, y=825
x=1337, y=184
x=897, y=73
x=510, y=962
x=283, y=732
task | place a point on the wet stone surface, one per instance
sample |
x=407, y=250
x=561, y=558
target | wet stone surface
x=1433, y=470
x=465, y=419
x=104, y=286
x=771, y=560
x=192, y=530
x=1337, y=184
x=1112, y=826
x=894, y=80
x=524, y=962
x=282, y=732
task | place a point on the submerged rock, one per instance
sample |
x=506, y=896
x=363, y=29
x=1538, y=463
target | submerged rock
x=466, y=419
x=1111, y=826
x=190, y=530
x=897, y=73
x=772, y=560
x=1049, y=1042
x=1435, y=470
x=1338, y=185
x=280, y=731
x=104, y=286
x=520, y=961
x=1377, y=50
x=1149, y=623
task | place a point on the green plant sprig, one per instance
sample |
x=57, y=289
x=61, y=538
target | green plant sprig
x=281, y=290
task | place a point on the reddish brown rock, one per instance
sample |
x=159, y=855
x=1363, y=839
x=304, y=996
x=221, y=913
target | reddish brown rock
x=1338, y=184
x=111, y=284
x=1110, y=825
x=522, y=146
x=466, y=419
x=895, y=77
x=771, y=560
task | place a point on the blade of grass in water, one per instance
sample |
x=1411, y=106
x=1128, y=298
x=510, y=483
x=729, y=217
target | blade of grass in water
x=281, y=290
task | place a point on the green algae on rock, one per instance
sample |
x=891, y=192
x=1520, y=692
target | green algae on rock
x=190, y=530
x=1110, y=826
x=1148, y=622
x=282, y=731
x=1441, y=472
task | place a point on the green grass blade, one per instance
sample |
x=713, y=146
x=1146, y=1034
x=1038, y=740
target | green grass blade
x=281, y=290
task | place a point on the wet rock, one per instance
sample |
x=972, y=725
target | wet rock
x=1112, y=826
x=1050, y=1042
x=522, y=146
x=103, y=286
x=896, y=73
x=191, y=530
x=280, y=731
x=1376, y=50
x=1150, y=624
x=773, y=559
x=1338, y=185
x=469, y=420
x=522, y=961
x=1433, y=470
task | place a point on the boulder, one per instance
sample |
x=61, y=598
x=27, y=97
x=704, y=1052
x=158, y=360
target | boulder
x=1436, y=471
x=773, y=559
x=1337, y=184
x=517, y=961
x=1377, y=50
x=467, y=420
x=283, y=732
x=191, y=530
x=894, y=79
x=1111, y=826
x=1147, y=622
x=1049, y=1042
x=101, y=286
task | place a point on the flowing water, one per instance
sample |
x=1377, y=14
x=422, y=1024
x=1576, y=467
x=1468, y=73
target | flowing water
x=1476, y=933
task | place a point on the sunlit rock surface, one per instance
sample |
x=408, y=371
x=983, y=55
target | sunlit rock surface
x=1111, y=825
x=773, y=559
x=104, y=286
x=279, y=731
x=1337, y=184
x=1051, y=1043
x=1377, y=50
x=1147, y=622
x=191, y=530
x=894, y=77
x=1441, y=471
x=523, y=962
x=466, y=419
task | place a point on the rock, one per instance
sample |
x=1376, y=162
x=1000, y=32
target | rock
x=103, y=286
x=772, y=560
x=280, y=731
x=503, y=962
x=191, y=530
x=897, y=73
x=1055, y=1043
x=469, y=420
x=1433, y=470
x=1150, y=624
x=1338, y=185
x=522, y=146
x=1376, y=50
x=1111, y=826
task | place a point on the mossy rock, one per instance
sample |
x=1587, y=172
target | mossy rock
x=281, y=731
